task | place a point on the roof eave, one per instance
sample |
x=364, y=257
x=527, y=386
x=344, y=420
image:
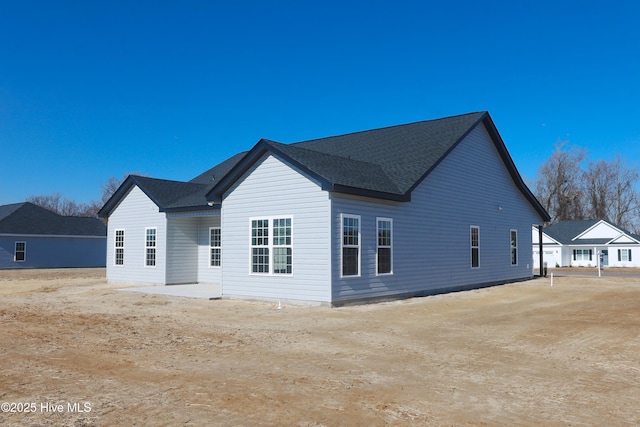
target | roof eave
x=206, y=207
x=355, y=191
x=511, y=167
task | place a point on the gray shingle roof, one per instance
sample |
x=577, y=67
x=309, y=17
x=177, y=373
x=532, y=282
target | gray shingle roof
x=386, y=163
x=565, y=231
x=404, y=152
x=29, y=219
x=174, y=195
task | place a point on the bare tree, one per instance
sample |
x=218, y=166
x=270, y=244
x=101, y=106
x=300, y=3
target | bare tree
x=625, y=201
x=62, y=206
x=47, y=201
x=558, y=185
x=604, y=190
x=599, y=185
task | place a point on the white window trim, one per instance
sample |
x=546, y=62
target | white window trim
x=155, y=248
x=270, y=246
x=358, y=246
x=513, y=230
x=390, y=220
x=215, y=247
x=471, y=247
x=115, y=247
x=622, y=254
x=15, y=251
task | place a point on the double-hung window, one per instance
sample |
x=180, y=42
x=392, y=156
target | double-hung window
x=150, y=247
x=624, y=255
x=385, y=253
x=514, y=247
x=475, y=246
x=119, y=248
x=271, y=245
x=350, y=245
x=215, y=247
x=282, y=251
x=20, y=252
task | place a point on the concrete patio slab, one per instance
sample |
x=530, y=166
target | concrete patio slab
x=210, y=292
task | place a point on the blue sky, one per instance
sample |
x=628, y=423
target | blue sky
x=94, y=89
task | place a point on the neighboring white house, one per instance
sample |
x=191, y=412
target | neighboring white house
x=34, y=237
x=580, y=244
x=415, y=209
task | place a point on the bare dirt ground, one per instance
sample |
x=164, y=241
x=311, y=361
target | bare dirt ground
x=75, y=351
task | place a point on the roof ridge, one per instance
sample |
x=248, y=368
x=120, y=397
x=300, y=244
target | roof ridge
x=388, y=127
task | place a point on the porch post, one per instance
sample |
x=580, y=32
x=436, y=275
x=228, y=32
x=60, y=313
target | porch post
x=541, y=253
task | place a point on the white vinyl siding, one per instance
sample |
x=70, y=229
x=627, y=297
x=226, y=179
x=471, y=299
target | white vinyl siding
x=208, y=274
x=182, y=258
x=136, y=213
x=272, y=190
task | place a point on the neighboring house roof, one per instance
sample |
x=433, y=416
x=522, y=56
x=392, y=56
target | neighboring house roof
x=29, y=219
x=386, y=163
x=568, y=232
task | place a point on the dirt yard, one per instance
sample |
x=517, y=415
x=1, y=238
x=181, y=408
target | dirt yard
x=75, y=351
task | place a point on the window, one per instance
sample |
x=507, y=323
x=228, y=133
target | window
x=282, y=259
x=20, y=253
x=514, y=247
x=150, y=245
x=582, y=254
x=271, y=255
x=350, y=245
x=215, y=246
x=385, y=260
x=624, y=255
x=475, y=247
x=260, y=246
x=119, y=245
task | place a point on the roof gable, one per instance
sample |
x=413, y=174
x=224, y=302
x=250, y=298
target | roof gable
x=30, y=219
x=589, y=232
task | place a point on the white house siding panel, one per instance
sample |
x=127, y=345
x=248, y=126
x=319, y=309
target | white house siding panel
x=431, y=241
x=600, y=231
x=273, y=189
x=206, y=273
x=134, y=214
x=182, y=249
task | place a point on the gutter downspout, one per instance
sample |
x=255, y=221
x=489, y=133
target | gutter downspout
x=541, y=253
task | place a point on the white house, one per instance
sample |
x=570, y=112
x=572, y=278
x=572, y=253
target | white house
x=34, y=237
x=415, y=209
x=580, y=244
